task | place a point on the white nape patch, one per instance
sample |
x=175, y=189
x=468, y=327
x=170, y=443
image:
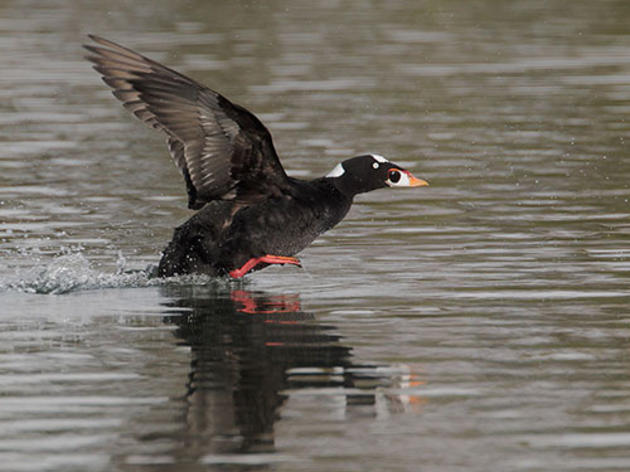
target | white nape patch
x=379, y=158
x=338, y=171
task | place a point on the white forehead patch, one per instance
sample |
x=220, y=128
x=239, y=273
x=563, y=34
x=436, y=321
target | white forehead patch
x=378, y=158
x=337, y=171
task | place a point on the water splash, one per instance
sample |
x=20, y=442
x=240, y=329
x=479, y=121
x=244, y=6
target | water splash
x=73, y=272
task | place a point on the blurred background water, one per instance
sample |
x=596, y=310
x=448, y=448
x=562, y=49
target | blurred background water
x=478, y=324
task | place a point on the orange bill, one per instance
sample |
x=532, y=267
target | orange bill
x=414, y=181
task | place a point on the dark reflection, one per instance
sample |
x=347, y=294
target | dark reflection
x=248, y=350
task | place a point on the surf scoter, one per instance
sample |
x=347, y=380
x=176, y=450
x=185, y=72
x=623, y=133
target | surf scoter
x=252, y=214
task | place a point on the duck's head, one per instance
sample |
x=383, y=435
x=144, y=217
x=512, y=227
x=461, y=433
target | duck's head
x=370, y=172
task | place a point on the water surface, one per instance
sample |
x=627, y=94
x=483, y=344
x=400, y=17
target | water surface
x=477, y=324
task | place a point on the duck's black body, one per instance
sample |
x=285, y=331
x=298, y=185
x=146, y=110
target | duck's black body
x=251, y=213
x=216, y=240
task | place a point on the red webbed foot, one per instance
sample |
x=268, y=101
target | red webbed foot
x=267, y=259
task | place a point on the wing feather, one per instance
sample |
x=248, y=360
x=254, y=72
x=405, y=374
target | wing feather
x=223, y=150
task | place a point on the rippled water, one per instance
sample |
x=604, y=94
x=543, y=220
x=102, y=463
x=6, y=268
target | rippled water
x=478, y=324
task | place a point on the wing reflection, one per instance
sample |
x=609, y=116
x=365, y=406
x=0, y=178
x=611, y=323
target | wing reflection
x=250, y=352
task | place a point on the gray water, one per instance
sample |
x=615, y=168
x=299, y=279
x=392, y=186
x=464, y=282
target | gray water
x=479, y=324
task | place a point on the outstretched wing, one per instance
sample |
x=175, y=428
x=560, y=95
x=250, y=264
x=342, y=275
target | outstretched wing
x=223, y=150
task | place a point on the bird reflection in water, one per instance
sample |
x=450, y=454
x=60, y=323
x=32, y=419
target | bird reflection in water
x=250, y=350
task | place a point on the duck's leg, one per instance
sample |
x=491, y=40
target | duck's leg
x=267, y=259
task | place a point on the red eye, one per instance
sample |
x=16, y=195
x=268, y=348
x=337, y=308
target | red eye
x=394, y=176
